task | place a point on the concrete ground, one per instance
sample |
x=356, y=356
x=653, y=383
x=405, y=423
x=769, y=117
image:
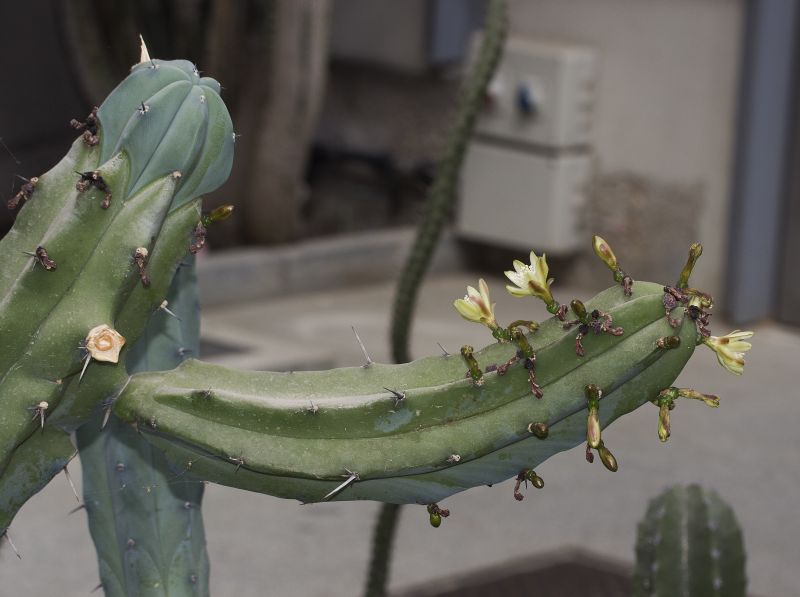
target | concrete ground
x=746, y=450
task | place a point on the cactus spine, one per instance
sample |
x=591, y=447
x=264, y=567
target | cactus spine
x=689, y=543
x=146, y=524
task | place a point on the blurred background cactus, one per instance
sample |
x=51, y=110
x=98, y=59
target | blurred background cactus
x=689, y=543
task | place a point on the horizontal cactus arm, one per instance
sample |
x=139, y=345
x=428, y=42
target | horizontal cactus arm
x=296, y=434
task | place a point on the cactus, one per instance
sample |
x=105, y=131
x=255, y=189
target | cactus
x=114, y=218
x=342, y=435
x=146, y=524
x=689, y=543
x=102, y=247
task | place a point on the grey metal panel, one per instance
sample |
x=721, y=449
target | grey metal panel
x=761, y=164
x=789, y=281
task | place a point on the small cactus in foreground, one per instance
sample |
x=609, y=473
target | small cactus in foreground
x=689, y=543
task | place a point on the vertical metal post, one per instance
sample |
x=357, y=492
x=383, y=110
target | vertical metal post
x=759, y=183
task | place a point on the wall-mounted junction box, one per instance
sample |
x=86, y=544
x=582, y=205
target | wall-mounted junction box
x=517, y=199
x=528, y=164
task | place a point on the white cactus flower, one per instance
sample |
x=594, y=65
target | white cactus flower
x=476, y=306
x=531, y=280
x=730, y=349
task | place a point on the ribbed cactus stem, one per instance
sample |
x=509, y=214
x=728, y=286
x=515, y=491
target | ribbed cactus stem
x=146, y=524
x=688, y=544
x=259, y=431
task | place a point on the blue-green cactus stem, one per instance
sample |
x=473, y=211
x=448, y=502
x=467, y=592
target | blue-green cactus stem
x=129, y=490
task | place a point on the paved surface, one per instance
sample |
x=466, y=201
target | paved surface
x=746, y=449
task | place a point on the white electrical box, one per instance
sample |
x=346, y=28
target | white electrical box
x=529, y=162
x=542, y=94
x=519, y=199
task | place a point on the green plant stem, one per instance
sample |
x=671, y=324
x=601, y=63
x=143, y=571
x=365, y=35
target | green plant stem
x=382, y=543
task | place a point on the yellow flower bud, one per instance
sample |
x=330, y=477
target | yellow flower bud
x=476, y=306
x=593, y=428
x=663, y=422
x=603, y=250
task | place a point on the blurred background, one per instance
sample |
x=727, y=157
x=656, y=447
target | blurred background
x=654, y=123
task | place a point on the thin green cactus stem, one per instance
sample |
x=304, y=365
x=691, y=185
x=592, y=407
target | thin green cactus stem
x=382, y=541
x=439, y=205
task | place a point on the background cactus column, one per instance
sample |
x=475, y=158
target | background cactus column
x=689, y=544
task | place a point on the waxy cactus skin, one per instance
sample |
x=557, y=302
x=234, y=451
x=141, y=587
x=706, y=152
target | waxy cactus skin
x=98, y=243
x=258, y=431
x=165, y=137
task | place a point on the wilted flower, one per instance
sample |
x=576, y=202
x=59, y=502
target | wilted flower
x=730, y=349
x=104, y=343
x=709, y=399
x=477, y=306
x=531, y=279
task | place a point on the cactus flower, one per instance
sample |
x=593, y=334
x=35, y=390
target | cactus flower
x=104, y=343
x=477, y=306
x=730, y=349
x=531, y=279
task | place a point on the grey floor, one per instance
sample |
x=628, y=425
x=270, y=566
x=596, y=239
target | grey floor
x=747, y=450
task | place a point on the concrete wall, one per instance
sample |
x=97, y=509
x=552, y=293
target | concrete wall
x=666, y=96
